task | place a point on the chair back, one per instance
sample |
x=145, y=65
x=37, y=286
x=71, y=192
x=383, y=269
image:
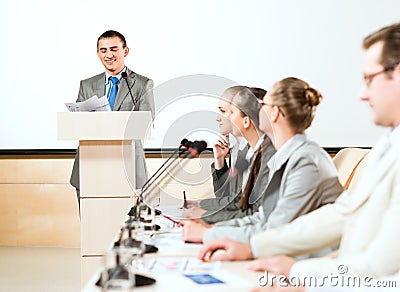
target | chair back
x=347, y=162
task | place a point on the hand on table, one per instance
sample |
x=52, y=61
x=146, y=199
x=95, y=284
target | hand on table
x=225, y=250
x=194, y=230
x=277, y=265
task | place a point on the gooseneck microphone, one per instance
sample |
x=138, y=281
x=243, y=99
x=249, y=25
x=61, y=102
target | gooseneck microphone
x=125, y=76
x=184, y=145
x=193, y=149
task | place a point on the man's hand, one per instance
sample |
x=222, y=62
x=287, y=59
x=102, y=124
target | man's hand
x=277, y=265
x=193, y=231
x=225, y=250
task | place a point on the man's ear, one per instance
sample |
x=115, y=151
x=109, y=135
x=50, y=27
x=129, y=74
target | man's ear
x=126, y=51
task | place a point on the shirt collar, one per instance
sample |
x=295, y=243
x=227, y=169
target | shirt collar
x=394, y=135
x=284, y=153
x=119, y=75
x=252, y=150
x=259, y=142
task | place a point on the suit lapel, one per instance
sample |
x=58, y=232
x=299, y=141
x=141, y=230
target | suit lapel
x=375, y=170
x=123, y=91
x=276, y=166
x=281, y=157
x=99, y=85
x=242, y=153
x=261, y=183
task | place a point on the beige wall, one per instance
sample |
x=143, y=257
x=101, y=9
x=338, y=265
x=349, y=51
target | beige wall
x=38, y=207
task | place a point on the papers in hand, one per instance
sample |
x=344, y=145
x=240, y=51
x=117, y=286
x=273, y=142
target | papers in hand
x=93, y=104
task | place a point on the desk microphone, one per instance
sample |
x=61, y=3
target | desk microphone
x=184, y=145
x=194, y=149
x=125, y=76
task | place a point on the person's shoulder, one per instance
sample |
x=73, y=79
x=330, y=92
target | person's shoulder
x=309, y=150
x=138, y=76
x=93, y=78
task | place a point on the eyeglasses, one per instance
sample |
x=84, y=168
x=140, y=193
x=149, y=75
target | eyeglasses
x=368, y=78
x=271, y=105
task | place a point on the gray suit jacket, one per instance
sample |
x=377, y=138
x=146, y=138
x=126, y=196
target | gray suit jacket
x=142, y=91
x=226, y=187
x=302, y=178
x=227, y=208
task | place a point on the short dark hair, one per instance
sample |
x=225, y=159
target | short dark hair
x=111, y=34
x=390, y=36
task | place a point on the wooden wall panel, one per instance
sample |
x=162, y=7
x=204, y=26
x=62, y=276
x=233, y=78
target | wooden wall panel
x=39, y=208
x=35, y=170
x=38, y=215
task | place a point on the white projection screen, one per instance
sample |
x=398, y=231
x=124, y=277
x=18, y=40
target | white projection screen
x=191, y=49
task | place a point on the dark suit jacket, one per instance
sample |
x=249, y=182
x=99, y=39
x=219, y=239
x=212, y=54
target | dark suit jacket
x=226, y=187
x=142, y=91
x=230, y=209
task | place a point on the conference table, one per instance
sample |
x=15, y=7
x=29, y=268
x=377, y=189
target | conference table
x=165, y=267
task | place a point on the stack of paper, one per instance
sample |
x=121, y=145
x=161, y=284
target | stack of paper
x=93, y=104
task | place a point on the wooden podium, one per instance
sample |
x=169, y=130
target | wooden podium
x=107, y=174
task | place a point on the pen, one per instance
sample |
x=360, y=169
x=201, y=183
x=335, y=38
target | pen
x=185, y=205
x=152, y=265
x=185, y=266
x=176, y=222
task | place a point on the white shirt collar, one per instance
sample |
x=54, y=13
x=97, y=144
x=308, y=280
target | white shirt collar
x=119, y=75
x=394, y=135
x=252, y=150
x=259, y=142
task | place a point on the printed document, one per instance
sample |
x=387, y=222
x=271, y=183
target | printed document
x=93, y=104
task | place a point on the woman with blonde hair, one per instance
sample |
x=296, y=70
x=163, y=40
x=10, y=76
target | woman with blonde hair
x=301, y=177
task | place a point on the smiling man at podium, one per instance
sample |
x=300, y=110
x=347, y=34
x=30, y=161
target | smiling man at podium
x=125, y=90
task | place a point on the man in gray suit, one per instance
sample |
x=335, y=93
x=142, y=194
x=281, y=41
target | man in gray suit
x=112, y=51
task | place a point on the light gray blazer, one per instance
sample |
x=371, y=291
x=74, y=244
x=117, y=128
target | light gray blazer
x=365, y=220
x=302, y=178
x=142, y=91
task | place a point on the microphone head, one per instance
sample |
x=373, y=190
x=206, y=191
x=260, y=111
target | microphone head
x=184, y=142
x=197, y=147
x=124, y=75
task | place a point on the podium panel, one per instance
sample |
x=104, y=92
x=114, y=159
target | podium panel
x=101, y=220
x=104, y=125
x=107, y=168
x=107, y=173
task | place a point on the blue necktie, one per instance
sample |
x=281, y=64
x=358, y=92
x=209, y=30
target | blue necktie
x=113, y=91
